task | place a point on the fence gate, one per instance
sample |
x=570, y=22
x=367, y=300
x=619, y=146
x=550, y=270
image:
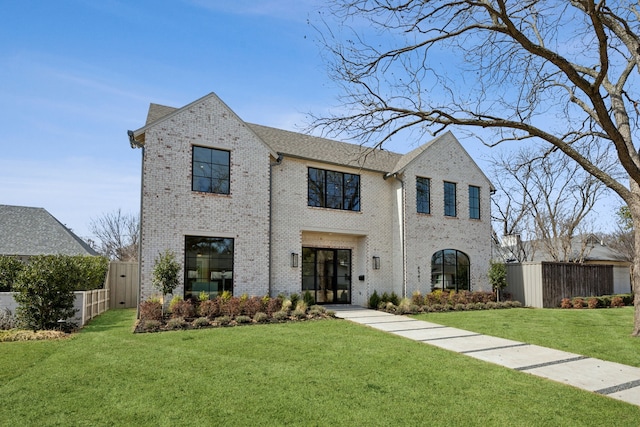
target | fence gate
x=122, y=281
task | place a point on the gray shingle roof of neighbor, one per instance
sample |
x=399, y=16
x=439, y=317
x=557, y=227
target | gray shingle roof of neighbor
x=31, y=231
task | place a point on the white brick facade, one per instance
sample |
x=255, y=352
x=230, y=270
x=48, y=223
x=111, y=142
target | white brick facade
x=267, y=212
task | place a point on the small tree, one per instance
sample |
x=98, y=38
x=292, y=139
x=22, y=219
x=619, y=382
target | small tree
x=498, y=277
x=165, y=273
x=45, y=291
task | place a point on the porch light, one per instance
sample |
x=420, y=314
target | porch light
x=376, y=263
x=294, y=259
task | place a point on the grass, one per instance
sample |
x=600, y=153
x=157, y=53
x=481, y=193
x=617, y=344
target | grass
x=325, y=373
x=602, y=333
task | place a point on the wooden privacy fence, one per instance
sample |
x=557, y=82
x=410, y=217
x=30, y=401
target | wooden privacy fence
x=91, y=304
x=545, y=284
x=122, y=281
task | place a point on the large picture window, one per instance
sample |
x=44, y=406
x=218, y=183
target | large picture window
x=449, y=199
x=423, y=195
x=450, y=270
x=208, y=266
x=474, y=202
x=335, y=190
x=211, y=172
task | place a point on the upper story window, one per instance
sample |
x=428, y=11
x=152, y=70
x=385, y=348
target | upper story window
x=335, y=190
x=449, y=199
x=474, y=202
x=423, y=195
x=211, y=173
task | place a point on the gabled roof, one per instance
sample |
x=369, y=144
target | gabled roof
x=304, y=146
x=445, y=138
x=299, y=145
x=31, y=231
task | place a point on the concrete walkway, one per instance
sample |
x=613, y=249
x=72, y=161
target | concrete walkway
x=611, y=379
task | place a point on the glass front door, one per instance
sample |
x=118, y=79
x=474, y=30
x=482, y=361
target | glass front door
x=326, y=273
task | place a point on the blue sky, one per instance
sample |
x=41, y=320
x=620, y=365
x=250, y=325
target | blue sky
x=75, y=75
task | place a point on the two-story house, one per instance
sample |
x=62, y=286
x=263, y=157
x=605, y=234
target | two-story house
x=257, y=210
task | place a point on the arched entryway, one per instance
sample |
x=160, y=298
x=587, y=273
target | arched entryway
x=450, y=270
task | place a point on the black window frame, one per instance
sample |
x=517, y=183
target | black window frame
x=423, y=195
x=450, y=270
x=474, y=202
x=450, y=199
x=333, y=190
x=202, y=170
x=208, y=265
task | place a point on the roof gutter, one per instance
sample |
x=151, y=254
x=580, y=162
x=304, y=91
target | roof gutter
x=132, y=140
x=402, y=229
x=271, y=165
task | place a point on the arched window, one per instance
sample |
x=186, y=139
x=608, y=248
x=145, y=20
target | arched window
x=450, y=270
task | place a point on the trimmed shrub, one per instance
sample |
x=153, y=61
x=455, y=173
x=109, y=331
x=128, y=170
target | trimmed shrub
x=308, y=299
x=617, y=302
x=592, y=302
x=294, y=299
x=229, y=307
x=317, y=310
x=417, y=298
x=251, y=306
x=374, y=300
x=460, y=307
x=150, y=325
x=242, y=319
x=627, y=299
x=200, y=322
x=93, y=272
x=299, y=314
x=150, y=310
x=10, y=267
x=176, y=323
x=183, y=309
x=261, y=317
x=393, y=299
x=223, y=320
x=491, y=305
x=578, y=303
x=274, y=305
x=209, y=308
x=281, y=315
x=45, y=292
x=566, y=303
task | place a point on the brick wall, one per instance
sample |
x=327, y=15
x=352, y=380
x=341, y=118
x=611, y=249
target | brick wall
x=172, y=211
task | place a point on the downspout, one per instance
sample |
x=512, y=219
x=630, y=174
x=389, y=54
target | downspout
x=271, y=165
x=402, y=232
x=135, y=144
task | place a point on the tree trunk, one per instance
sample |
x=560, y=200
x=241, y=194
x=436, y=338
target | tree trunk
x=635, y=272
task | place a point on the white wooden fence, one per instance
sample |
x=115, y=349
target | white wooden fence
x=88, y=304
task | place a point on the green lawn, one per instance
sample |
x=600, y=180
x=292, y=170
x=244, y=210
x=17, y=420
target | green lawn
x=602, y=333
x=330, y=373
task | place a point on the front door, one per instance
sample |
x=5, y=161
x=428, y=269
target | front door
x=326, y=273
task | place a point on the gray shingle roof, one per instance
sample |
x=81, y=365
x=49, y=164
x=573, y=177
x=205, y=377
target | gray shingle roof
x=304, y=146
x=34, y=231
x=299, y=145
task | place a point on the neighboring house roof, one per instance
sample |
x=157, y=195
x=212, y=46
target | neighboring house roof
x=28, y=231
x=591, y=248
x=304, y=146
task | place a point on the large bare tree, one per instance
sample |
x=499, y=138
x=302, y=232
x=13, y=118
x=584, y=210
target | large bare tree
x=546, y=198
x=564, y=72
x=118, y=234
